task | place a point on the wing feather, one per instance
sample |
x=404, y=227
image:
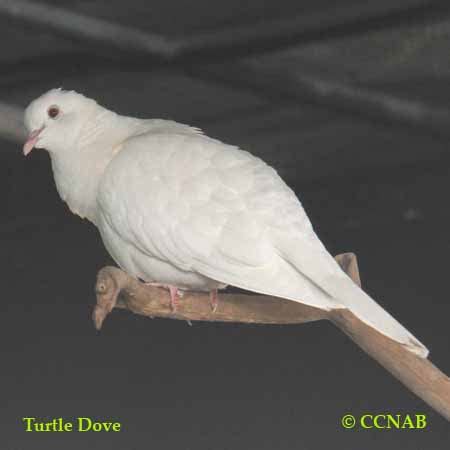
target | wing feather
x=213, y=209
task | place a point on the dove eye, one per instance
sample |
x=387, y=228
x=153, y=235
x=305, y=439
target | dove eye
x=53, y=112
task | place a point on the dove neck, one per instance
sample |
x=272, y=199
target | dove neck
x=78, y=170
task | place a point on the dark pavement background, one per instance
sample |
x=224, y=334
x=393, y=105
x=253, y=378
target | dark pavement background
x=374, y=189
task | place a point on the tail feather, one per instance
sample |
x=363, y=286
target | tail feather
x=348, y=294
x=310, y=258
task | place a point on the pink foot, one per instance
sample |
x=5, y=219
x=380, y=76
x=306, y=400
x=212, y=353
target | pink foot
x=174, y=298
x=174, y=294
x=214, y=299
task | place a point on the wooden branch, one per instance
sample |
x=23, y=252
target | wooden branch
x=115, y=288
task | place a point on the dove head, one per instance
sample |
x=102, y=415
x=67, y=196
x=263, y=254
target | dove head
x=55, y=119
x=81, y=137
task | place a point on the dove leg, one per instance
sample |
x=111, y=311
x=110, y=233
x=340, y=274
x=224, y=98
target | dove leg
x=174, y=298
x=175, y=294
x=214, y=299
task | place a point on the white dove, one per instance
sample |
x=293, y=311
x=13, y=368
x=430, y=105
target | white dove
x=179, y=208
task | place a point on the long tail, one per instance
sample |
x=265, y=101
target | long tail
x=352, y=297
x=311, y=260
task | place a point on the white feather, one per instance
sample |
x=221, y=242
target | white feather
x=180, y=208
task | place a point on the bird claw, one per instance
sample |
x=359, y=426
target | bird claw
x=214, y=300
x=175, y=294
x=174, y=297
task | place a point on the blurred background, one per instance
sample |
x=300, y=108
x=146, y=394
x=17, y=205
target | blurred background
x=348, y=101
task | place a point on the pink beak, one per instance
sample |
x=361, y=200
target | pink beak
x=31, y=141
